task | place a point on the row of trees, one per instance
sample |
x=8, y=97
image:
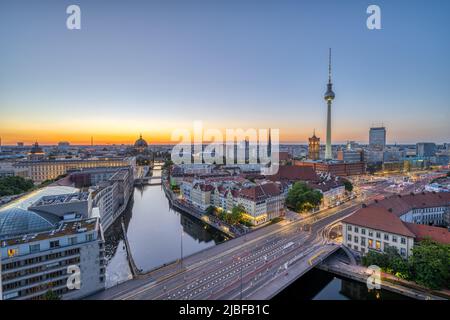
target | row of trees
x=429, y=264
x=303, y=198
x=14, y=185
x=236, y=216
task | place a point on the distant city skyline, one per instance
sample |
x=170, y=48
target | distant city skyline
x=153, y=67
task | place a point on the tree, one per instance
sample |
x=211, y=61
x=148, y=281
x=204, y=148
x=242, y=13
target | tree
x=348, y=186
x=167, y=164
x=237, y=213
x=430, y=264
x=51, y=295
x=14, y=185
x=301, y=197
x=210, y=210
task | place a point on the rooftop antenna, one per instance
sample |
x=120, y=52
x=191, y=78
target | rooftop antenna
x=329, y=65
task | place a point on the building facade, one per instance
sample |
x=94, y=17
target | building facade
x=42, y=170
x=314, y=147
x=398, y=221
x=68, y=260
x=377, y=138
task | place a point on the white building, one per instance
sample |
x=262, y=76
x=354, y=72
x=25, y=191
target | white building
x=397, y=221
x=41, y=260
x=262, y=202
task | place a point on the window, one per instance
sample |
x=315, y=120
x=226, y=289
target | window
x=394, y=238
x=363, y=231
x=403, y=252
x=356, y=248
x=378, y=245
x=370, y=234
x=403, y=240
x=54, y=244
x=356, y=239
x=72, y=241
x=363, y=241
x=349, y=237
x=349, y=228
x=356, y=229
x=89, y=237
x=370, y=243
x=386, y=237
x=378, y=235
x=35, y=248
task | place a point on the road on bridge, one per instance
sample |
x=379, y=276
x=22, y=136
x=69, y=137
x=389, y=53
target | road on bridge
x=237, y=268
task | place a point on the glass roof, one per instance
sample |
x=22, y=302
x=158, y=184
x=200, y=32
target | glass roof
x=16, y=221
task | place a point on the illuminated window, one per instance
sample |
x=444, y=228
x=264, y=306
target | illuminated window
x=370, y=242
x=378, y=245
x=13, y=252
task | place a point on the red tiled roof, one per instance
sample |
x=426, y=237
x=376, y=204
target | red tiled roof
x=204, y=187
x=441, y=235
x=378, y=219
x=261, y=191
x=283, y=156
x=400, y=204
x=295, y=173
x=326, y=185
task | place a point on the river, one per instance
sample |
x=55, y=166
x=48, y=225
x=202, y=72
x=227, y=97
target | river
x=158, y=234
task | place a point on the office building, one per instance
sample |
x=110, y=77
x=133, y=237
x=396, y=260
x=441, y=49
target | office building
x=34, y=262
x=377, y=138
x=42, y=170
x=426, y=149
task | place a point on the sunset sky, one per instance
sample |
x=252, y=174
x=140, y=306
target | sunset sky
x=153, y=66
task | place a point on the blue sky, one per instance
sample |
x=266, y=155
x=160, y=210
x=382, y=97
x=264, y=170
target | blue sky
x=152, y=66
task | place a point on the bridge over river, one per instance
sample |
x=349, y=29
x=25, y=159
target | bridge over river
x=257, y=265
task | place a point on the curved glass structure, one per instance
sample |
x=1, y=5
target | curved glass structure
x=16, y=221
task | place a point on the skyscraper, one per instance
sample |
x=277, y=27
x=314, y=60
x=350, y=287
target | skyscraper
x=377, y=138
x=329, y=97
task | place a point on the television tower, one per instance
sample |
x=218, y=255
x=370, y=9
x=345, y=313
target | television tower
x=329, y=97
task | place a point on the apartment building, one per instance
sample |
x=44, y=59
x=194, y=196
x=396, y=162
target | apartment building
x=262, y=202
